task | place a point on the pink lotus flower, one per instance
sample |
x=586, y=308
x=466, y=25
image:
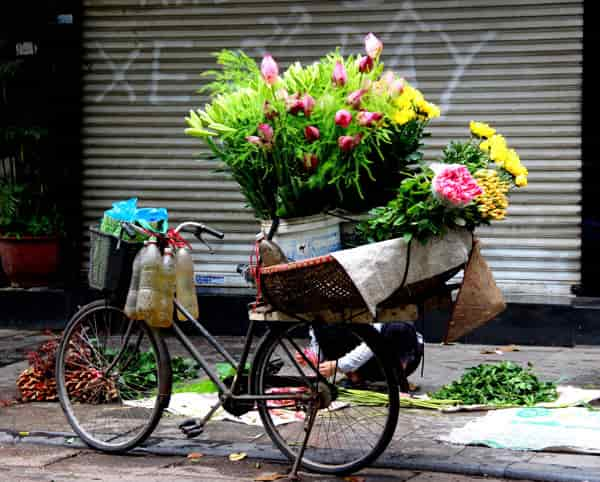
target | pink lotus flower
x=265, y=131
x=347, y=143
x=295, y=104
x=373, y=46
x=254, y=140
x=454, y=185
x=310, y=162
x=343, y=118
x=339, y=76
x=308, y=104
x=269, y=70
x=365, y=64
x=368, y=119
x=355, y=97
x=312, y=356
x=269, y=110
x=311, y=133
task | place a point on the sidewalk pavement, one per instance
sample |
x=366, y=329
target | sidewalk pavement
x=413, y=448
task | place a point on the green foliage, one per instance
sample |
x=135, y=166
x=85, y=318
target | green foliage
x=466, y=153
x=504, y=383
x=25, y=212
x=415, y=213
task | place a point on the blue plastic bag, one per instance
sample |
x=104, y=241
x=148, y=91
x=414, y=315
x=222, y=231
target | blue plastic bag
x=155, y=219
x=123, y=210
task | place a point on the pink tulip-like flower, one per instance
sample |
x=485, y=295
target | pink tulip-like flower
x=339, y=76
x=355, y=97
x=311, y=133
x=269, y=110
x=343, y=118
x=310, y=162
x=454, y=185
x=269, y=70
x=308, y=104
x=365, y=64
x=293, y=103
x=373, y=46
x=396, y=87
x=347, y=143
x=254, y=140
x=265, y=131
x=368, y=119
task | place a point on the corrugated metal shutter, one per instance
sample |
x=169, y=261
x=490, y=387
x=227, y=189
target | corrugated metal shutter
x=514, y=63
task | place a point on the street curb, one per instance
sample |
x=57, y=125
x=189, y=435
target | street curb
x=454, y=464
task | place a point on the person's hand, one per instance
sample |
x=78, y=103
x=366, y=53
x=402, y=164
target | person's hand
x=327, y=368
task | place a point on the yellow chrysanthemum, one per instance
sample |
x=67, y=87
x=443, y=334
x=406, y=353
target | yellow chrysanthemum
x=403, y=116
x=429, y=109
x=481, y=129
x=521, y=180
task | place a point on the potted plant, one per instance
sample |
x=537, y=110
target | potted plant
x=30, y=223
x=30, y=226
x=334, y=134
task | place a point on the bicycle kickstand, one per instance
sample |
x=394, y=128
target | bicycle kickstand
x=293, y=475
x=192, y=427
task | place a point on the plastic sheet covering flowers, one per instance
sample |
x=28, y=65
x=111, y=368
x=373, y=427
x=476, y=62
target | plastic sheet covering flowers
x=468, y=186
x=336, y=133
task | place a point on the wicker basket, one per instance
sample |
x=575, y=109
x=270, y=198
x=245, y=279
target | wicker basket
x=322, y=284
x=111, y=260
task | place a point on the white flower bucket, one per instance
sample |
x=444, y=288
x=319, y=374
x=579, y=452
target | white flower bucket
x=307, y=237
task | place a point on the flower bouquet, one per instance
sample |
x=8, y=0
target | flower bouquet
x=338, y=133
x=466, y=188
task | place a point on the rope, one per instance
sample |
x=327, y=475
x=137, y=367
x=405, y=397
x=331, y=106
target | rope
x=255, y=270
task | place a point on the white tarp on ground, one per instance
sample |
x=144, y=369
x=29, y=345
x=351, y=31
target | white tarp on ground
x=198, y=405
x=377, y=269
x=571, y=429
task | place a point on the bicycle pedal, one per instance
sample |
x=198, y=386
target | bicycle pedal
x=187, y=423
x=194, y=431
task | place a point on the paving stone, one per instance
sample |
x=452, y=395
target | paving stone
x=32, y=455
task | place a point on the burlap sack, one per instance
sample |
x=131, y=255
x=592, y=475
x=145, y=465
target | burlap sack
x=478, y=300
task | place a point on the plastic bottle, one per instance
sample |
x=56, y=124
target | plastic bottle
x=134, y=285
x=149, y=293
x=164, y=317
x=186, y=288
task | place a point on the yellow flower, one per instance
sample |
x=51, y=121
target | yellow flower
x=521, y=180
x=481, y=129
x=403, y=116
x=431, y=110
x=493, y=202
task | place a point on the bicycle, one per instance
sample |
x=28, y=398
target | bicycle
x=106, y=361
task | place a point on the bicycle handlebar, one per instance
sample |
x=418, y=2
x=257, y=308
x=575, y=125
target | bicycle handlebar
x=198, y=228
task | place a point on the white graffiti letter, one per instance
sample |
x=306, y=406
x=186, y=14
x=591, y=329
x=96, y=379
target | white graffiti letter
x=118, y=76
x=157, y=76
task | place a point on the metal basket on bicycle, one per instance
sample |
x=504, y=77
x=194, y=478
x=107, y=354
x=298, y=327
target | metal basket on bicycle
x=111, y=259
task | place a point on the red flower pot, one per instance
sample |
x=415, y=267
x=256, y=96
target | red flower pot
x=29, y=261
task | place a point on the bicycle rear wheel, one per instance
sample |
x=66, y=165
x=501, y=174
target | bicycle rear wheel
x=352, y=426
x=113, y=377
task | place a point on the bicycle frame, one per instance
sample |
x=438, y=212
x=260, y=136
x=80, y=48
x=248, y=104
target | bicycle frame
x=224, y=391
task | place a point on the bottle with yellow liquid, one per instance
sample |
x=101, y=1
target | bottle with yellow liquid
x=164, y=317
x=186, y=288
x=149, y=293
x=132, y=295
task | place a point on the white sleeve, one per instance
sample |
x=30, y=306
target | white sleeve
x=357, y=357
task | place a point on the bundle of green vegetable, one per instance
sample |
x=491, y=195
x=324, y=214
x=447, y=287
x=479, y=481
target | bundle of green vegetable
x=372, y=398
x=499, y=384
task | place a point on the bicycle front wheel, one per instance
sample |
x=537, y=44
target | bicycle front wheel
x=352, y=426
x=113, y=378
